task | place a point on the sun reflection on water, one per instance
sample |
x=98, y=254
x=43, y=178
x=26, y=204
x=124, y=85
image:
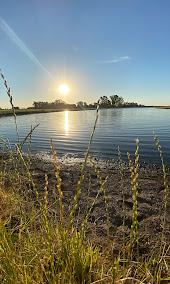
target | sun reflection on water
x=66, y=123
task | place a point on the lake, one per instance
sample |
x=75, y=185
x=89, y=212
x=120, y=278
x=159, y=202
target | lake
x=70, y=131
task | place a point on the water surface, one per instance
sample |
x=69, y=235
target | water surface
x=70, y=131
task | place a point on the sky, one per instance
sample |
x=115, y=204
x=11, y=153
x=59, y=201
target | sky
x=97, y=47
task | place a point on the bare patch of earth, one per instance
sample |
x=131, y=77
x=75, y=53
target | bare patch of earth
x=107, y=216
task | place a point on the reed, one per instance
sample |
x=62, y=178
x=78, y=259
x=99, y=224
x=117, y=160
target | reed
x=81, y=178
x=8, y=92
x=165, y=182
x=58, y=179
x=101, y=190
x=121, y=171
x=134, y=168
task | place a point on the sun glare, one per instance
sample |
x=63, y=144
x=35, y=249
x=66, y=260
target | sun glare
x=66, y=124
x=64, y=89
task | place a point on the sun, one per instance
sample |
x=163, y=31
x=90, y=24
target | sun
x=63, y=89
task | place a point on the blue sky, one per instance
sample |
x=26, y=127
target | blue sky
x=99, y=47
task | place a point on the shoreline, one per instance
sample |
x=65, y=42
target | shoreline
x=9, y=112
x=4, y=113
x=72, y=159
x=163, y=107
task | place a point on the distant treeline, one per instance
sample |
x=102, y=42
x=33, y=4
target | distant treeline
x=105, y=102
x=57, y=104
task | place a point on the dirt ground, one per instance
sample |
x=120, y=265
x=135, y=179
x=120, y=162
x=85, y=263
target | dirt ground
x=107, y=219
x=107, y=215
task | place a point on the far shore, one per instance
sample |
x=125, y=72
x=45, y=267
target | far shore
x=163, y=107
x=9, y=112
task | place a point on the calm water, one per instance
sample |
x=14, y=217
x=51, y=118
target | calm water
x=71, y=131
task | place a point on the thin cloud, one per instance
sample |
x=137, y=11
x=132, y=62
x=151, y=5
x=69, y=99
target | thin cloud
x=15, y=38
x=115, y=60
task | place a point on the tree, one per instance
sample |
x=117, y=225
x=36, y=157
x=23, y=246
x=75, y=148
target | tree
x=85, y=105
x=116, y=101
x=58, y=104
x=80, y=104
x=105, y=102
